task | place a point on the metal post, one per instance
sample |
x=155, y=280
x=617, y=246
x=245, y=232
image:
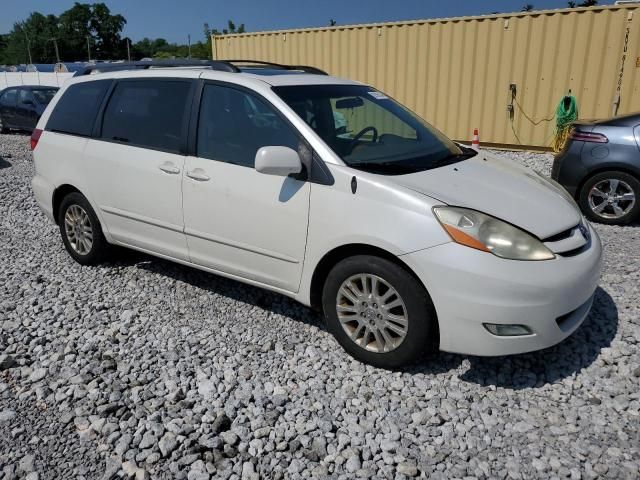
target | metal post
x=128, y=51
x=28, y=45
x=189, y=39
x=55, y=45
x=88, y=49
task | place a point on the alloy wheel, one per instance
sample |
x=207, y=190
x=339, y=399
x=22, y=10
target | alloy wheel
x=611, y=198
x=372, y=313
x=77, y=226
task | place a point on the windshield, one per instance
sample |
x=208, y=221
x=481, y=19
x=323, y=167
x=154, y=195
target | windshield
x=369, y=130
x=43, y=97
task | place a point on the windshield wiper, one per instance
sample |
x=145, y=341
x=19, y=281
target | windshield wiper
x=456, y=157
x=383, y=166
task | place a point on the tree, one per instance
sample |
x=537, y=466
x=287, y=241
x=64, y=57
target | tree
x=71, y=31
x=586, y=3
x=527, y=7
x=231, y=28
x=332, y=22
x=95, y=23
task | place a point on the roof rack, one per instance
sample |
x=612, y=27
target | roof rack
x=262, y=64
x=219, y=65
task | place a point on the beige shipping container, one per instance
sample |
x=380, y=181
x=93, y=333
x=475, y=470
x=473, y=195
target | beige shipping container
x=457, y=72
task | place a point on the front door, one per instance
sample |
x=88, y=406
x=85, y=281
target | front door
x=239, y=221
x=135, y=168
x=25, y=116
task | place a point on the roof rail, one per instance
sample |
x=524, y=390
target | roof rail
x=219, y=65
x=263, y=64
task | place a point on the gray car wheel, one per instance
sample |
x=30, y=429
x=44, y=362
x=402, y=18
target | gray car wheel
x=611, y=197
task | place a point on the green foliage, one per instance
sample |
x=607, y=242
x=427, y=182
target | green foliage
x=72, y=29
x=527, y=7
x=586, y=3
x=94, y=24
x=161, y=49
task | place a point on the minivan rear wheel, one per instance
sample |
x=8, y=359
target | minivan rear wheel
x=378, y=311
x=80, y=229
x=611, y=197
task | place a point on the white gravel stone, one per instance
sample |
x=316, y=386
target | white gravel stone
x=187, y=375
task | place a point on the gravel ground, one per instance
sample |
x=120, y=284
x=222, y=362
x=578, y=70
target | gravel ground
x=143, y=368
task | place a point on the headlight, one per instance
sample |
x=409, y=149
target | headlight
x=483, y=232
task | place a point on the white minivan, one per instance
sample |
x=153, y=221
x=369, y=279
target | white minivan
x=322, y=189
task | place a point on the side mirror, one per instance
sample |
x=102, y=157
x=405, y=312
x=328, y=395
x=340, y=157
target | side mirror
x=280, y=161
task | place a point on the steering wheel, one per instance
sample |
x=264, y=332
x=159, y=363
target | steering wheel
x=361, y=133
x=354, y=141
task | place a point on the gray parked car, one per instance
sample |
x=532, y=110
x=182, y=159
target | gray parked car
x=21, y=106
x=600, y=167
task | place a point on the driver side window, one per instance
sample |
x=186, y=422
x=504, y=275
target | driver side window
x=24, y=96
x=234, y=125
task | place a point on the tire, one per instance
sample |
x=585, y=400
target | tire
x=76, y=210
x=3, y=129
x=407, y=343
x=597, y=203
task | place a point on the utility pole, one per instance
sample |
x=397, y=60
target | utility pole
x=28, y=45
x=128, y=51
x=189, y=39
x=55, y=44
x=88, y=49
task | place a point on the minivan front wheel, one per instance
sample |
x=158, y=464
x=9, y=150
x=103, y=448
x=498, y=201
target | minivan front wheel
x=378, y=311
x=80, y=229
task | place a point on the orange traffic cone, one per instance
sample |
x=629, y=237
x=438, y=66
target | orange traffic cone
x=475, y=143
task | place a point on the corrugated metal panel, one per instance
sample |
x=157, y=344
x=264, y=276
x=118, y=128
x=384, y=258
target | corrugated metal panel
x=456, y=72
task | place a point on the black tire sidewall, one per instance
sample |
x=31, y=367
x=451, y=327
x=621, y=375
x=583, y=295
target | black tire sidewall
x=632, y=181
x=422, y=328
x=99, y=246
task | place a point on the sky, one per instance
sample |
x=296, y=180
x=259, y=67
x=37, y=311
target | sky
x=175, y=19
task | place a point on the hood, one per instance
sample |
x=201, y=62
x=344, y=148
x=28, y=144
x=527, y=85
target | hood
x=501, y=188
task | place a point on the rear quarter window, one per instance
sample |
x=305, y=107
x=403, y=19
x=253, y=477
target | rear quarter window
x=8, y=98
x=75, y=113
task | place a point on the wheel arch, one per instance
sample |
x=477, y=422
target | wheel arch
x=339, y=253
x=58, y=195
x=331, y=258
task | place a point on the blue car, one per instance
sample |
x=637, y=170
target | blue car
x=22, y=106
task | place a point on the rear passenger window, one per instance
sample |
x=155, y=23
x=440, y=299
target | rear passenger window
x=234, y=125
x=76, y=111
x=149, y=113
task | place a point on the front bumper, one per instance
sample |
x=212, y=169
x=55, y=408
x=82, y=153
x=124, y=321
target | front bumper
x=469, y=287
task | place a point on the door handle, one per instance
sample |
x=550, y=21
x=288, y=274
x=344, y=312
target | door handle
x=169, y=167
x=198, y=174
